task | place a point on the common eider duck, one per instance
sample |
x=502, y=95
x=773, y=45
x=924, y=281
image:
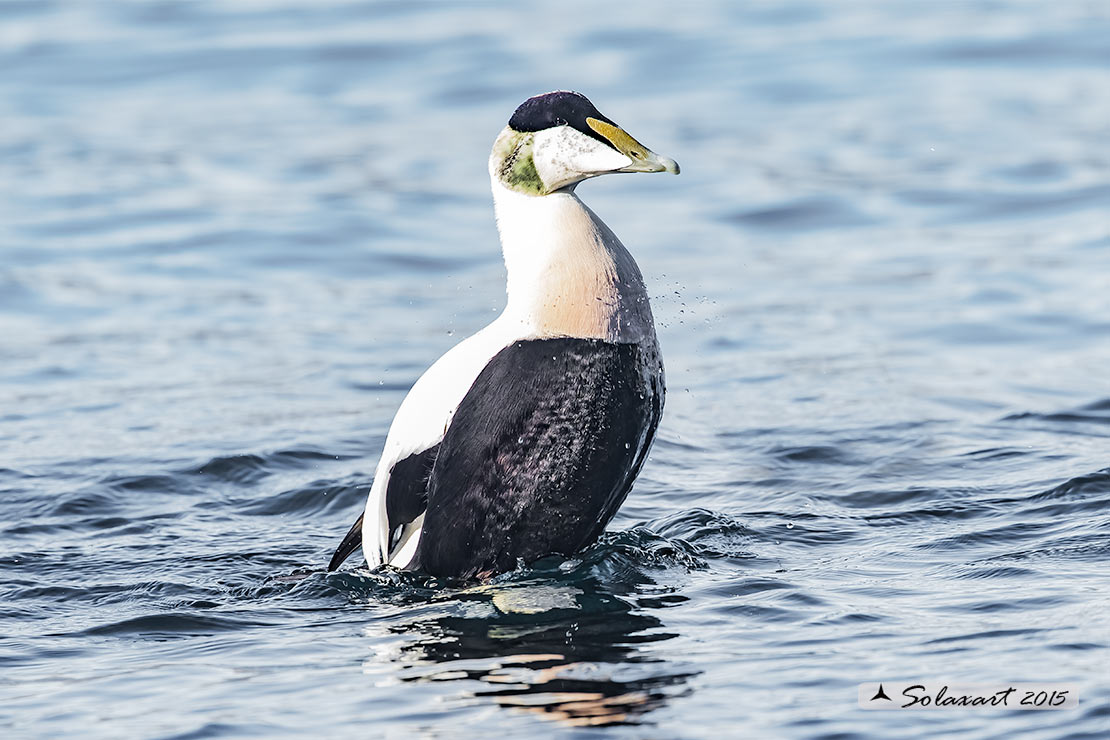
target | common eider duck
x=524, y=439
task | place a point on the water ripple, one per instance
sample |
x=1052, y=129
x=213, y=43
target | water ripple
x=232, y=236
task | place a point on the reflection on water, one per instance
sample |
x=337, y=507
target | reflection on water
x=573, y=654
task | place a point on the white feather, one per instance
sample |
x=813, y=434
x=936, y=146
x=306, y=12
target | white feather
x=564, y=156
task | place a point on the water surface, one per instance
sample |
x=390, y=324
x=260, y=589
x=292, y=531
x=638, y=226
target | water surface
x=232, y=235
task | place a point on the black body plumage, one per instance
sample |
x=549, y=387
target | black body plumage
x=540, y=454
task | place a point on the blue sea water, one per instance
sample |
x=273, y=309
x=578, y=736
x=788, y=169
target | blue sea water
x=232, y=234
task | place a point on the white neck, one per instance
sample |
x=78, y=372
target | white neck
x=568, y=274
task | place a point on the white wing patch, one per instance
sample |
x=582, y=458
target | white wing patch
x=421, y=422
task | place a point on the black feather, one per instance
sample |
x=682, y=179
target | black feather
x=540, y=454
x=561, y=108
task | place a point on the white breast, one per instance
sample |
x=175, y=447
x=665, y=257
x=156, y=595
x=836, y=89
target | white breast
x=568, y=273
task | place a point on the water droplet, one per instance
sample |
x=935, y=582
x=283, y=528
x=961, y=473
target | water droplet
x=627, y=446
x=790, y=525
x=450, y=332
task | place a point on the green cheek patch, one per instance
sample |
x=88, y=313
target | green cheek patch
x=518, y=169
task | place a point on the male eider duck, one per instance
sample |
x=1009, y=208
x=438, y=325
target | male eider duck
x=523, y=440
